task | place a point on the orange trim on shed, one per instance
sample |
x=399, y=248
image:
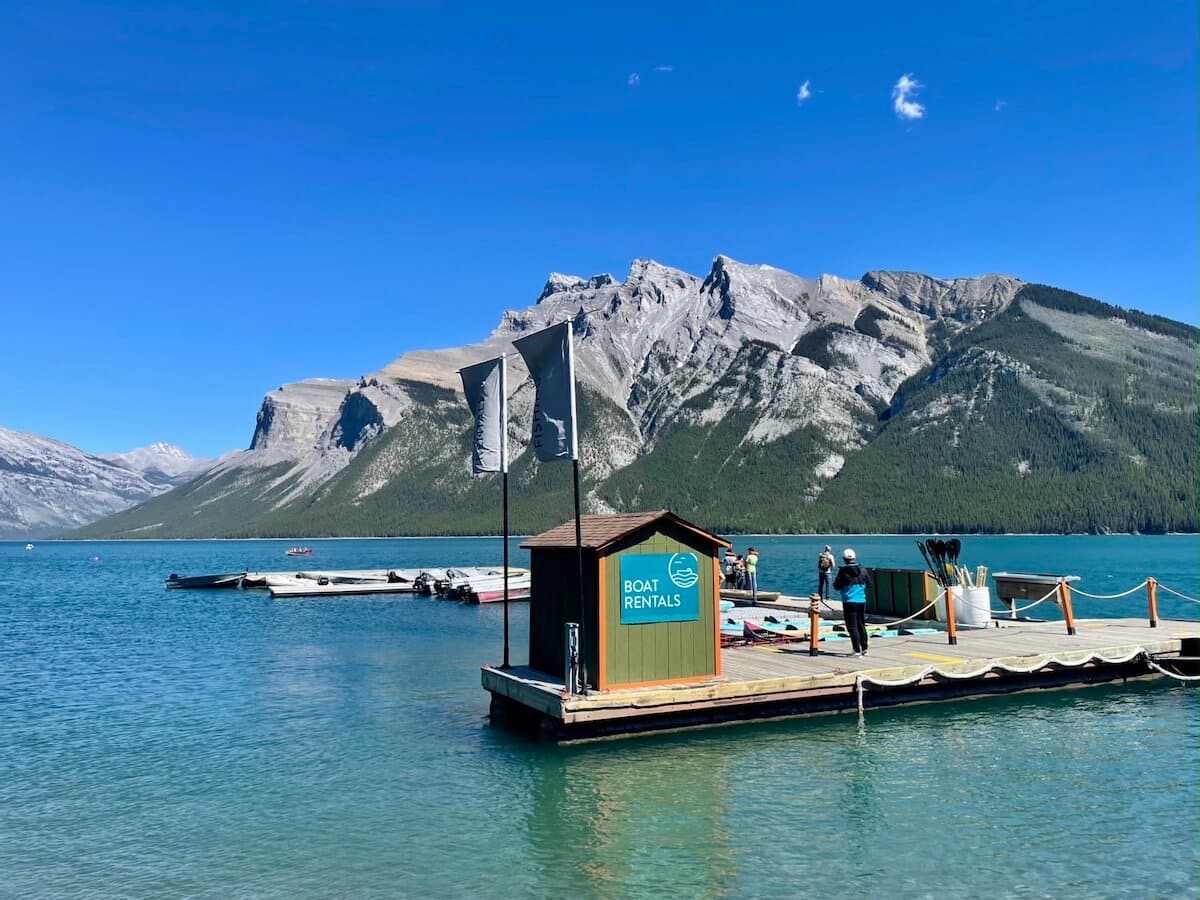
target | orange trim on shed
x=602, y=623
x=717, y=612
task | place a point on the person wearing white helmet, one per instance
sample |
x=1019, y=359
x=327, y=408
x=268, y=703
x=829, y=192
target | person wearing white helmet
x=853, y=582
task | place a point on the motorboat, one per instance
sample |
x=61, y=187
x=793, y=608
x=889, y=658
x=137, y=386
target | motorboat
x=227, y=580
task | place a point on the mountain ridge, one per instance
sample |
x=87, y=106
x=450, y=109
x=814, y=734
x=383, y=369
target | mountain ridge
x=749, y=376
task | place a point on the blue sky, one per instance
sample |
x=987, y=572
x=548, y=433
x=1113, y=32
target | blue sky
x=202, y=202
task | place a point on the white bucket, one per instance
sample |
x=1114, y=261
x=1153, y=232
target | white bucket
x=974, y=610
x=972, y=606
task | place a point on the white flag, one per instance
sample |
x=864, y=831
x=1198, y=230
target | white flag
x=486, y=385
x=551, y=362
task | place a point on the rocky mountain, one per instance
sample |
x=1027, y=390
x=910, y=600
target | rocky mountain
x=48, y=487
x=751, y=399
x=161, y=463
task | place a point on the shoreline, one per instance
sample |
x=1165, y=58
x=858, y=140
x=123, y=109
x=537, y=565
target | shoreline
x=481, y=537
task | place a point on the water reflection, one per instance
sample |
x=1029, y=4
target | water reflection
x=643, y=816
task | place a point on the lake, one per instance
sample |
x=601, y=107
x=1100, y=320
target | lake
x=166, y=743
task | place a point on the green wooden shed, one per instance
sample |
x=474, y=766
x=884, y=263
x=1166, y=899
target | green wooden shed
x=651, y=595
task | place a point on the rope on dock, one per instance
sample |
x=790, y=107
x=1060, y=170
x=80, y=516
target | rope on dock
x=1083, y=593
x=933, y=602
x=1010, y=612
x=1176, y=675
x=860, y=681
x=1179, y=595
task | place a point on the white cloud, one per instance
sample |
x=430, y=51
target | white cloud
x=664, y=68
x=804, y=92
x=902, y=93
x=1000, y=104
x=634, y=79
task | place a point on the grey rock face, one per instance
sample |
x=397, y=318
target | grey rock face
x=292, y=418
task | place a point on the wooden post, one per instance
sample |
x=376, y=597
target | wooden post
x=814, y=623
x=951, y=622
x=1152, y=598
x=1064, y=600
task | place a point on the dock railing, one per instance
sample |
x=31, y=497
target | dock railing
x=1062, y=594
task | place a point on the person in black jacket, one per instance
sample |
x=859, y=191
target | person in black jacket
x=853, y=582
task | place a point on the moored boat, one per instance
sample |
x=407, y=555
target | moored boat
x=491, y=590
x=226, y=580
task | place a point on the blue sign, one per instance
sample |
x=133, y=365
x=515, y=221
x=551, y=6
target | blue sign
x=659, y=587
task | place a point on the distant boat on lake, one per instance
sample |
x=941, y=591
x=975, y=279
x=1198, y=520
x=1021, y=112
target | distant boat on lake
x=299, y=551
x=29, y=546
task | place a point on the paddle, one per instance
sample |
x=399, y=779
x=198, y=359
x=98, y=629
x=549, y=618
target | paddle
x=955, y=547
x=928, y=562
x=936, y=550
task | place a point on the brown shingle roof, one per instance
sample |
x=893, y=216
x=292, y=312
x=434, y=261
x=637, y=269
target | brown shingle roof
x=598, y=532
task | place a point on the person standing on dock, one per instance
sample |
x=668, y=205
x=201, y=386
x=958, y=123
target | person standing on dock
x=752, y=574
x=730, y=567
x=824, y=571
x=853, y=582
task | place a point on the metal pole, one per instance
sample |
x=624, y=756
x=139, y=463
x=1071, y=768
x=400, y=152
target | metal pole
x=579, y=557
x=504, y=485
x=572, y=676
x=504, y=488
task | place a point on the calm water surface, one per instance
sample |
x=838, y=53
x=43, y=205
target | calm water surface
x=157, y=743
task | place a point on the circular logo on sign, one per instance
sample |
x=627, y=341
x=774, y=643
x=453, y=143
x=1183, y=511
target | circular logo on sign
x=682, y=569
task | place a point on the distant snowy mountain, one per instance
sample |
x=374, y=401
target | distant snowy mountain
x=162, y=463
x=48, y=487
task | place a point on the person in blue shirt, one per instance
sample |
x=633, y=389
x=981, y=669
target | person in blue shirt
x=853, y=582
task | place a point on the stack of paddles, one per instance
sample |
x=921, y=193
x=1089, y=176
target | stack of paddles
x=942, y=559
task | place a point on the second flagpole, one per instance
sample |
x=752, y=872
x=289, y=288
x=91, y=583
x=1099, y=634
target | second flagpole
x=504, y=486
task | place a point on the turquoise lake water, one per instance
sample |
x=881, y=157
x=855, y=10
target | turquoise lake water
x=168, y=743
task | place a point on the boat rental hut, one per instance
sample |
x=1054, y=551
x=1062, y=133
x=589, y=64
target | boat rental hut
x=651, y=590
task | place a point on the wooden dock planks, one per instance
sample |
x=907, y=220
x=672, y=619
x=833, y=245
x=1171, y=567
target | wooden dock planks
x=774, y=674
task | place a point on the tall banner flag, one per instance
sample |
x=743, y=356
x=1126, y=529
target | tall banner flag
x=551, y=361
x=485, y=386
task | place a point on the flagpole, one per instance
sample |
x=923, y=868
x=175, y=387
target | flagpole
x=504, y=487
x=578, y=517
x=579, y=557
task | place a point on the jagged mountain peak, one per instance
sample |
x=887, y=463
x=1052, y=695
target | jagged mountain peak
x=557, y=283
x=969, y=299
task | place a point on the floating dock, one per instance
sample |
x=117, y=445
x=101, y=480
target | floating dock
x=338, y=589
x=783, y=680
